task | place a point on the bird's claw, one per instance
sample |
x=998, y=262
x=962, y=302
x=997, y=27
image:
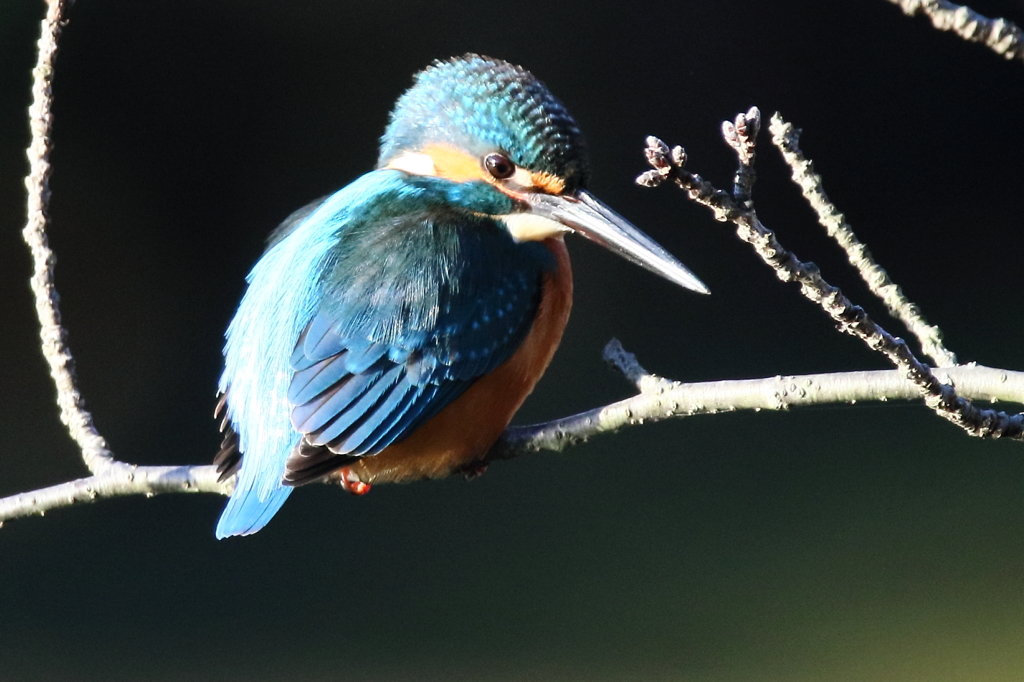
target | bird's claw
x=350, y=482
x=473, y=471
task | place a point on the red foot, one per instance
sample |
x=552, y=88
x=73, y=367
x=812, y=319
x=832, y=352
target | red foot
x=350, y=482
x=474, y=470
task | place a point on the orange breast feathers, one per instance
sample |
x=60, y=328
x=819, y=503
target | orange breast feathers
x=467, y=428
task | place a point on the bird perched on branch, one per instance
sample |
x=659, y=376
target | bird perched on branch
x=390, y=331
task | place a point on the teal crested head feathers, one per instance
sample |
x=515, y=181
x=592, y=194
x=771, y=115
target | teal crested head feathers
x=480, y=104
x=391, y=331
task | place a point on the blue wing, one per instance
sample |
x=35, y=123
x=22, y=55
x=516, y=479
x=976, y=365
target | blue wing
x=415, y=311
x=363, y=319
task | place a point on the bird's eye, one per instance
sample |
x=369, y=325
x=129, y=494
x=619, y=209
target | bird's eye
x=499, y=166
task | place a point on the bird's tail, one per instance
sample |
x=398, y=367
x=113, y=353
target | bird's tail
x=250, y=508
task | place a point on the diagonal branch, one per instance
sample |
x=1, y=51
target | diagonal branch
x=787, y=139
x=999, y=35
x=658, y=399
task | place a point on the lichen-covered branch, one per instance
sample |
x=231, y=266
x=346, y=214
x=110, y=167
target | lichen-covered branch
x=1001, y=36
x=787, y=139
x=668, y=164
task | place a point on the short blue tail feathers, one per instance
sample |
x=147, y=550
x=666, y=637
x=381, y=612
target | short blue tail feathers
x=246, y=513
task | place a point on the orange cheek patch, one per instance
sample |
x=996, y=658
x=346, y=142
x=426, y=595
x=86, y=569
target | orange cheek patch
x=458, y=166
x=551, y=184
x=453, y=164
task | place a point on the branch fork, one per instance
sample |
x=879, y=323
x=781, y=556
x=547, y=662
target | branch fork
x=850, y=318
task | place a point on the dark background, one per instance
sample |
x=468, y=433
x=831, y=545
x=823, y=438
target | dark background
x=850, y=543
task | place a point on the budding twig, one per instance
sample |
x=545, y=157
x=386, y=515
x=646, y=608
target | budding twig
x=787, y=139
x=850, y=318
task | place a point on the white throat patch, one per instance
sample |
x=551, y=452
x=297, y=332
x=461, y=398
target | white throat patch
x=526, y=227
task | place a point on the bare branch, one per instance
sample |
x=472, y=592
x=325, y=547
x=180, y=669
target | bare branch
x=53, y=336
x=662, y=398
x=659, y=398
x=787, y=139
x=114, y=482
x=850, y=318
x=110, y=477
x=1001, y=36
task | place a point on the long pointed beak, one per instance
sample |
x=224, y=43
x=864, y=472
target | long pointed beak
x=586, y=215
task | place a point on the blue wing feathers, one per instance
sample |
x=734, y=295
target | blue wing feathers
x=424, y=402
x=359, y=411
x=421, y=369
x=313, y=416
x=311, y=381
x=317, y=342
x=371, y=436
x=458, y=301
x=359, y=361
x=389, y=408
x=283, y=294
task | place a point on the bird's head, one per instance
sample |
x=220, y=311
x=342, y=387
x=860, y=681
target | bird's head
x=483, y=121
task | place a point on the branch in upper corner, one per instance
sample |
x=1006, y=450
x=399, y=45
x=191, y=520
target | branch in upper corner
x=787, y=139
x=852, y=319
x=1001, y=36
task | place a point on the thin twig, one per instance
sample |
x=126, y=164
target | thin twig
x=626, y=363
x=1001, y=36
x=668, y=164
x=740, y=135
x=787, y=139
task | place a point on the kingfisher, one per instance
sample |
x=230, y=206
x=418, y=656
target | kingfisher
x=391, y=330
